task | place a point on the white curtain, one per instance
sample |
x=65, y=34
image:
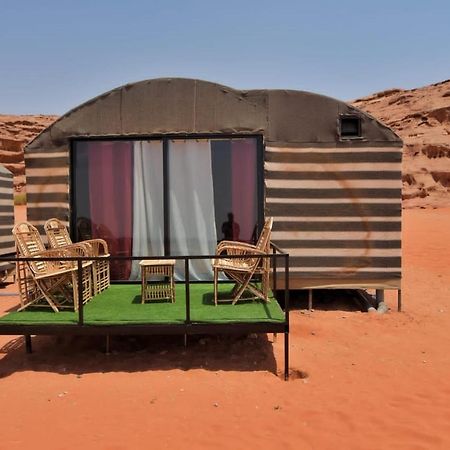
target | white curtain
x=148, y=204
x=192, y=218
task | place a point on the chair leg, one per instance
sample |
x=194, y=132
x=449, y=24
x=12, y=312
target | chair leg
x=235, y=289
x=43, y=291
x=75, y=291
x=216, y=276
x=48, y=298
x=244, y=285
x=172, y=285
x=95, y=280
x=259, y=293
x=265, y=285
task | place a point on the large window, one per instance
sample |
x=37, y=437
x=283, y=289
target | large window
x=166, y=197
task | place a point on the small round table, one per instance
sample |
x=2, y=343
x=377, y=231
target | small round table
x=157, y=280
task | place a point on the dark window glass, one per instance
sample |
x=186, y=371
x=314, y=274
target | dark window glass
x=103, y=198
x=118, y=195
x=350, y=127
x=235, y=174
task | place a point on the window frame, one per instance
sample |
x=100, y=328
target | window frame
x=359, y=136
x=165, y=138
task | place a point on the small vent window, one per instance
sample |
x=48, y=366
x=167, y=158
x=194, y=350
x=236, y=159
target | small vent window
x=350, y=127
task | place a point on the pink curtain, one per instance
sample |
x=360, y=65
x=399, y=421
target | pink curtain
x=111, y=200
x=243, y=186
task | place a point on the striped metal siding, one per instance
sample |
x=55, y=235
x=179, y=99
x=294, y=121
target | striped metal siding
x=47, y=175
x=337, y=211
x=7, y=246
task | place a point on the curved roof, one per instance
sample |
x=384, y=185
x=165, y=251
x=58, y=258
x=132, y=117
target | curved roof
x=188, y=106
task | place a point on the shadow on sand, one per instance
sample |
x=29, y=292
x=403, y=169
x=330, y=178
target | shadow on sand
x=86, y=354
x=328, y=300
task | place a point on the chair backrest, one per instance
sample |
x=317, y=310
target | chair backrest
x=263, y=243
x=29, y=243
x=57, y=233
x=27, y=239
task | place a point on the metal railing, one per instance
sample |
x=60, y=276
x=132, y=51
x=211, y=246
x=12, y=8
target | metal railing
x=276, y=255
x=187, y=327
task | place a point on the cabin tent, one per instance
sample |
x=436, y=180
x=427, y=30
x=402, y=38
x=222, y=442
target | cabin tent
x=7, y=246
x=158, y=166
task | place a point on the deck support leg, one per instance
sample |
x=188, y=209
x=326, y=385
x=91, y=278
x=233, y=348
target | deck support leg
x=107, y=345
x=379, y=294
x=185, y=340
x=310, y=299
x=286, y=355
x=28, y=346
x=399, y=300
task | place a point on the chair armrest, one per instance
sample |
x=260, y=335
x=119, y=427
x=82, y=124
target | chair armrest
x=245, y=258
x=99, y=246
x=250, y=251
x=77, y=249
x=224, y=245
x=50, y=267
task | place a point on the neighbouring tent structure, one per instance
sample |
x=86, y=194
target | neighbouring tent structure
x=171, y=166
x=7, y=246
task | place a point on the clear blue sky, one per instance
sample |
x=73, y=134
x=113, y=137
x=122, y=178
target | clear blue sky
x=55, y=55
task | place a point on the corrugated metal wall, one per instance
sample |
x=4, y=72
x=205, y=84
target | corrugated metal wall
x=7, y=246
x=47, y=185
x=337, y=211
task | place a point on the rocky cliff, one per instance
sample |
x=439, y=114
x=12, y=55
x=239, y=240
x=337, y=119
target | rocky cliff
x=421, y=117
x=15, y=132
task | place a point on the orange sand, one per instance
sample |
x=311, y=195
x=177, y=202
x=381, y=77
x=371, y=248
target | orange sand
x=373, y=381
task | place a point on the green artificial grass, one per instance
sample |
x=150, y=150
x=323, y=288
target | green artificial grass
x=121, y=304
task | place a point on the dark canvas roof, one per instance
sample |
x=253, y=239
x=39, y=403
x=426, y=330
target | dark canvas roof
x=187, y=106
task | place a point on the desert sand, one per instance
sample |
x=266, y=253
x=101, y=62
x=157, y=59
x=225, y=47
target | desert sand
x=359, y=381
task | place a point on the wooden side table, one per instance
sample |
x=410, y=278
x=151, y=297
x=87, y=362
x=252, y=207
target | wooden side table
x=157, y=280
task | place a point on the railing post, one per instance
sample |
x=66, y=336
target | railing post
x=274, y=269
x=28, y=346
x=379, y=293
x=286, y=317
x=80, y=291
x=310, y=299
x=187, y=290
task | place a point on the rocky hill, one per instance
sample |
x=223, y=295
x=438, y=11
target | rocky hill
x=15, y=132
x=421, y=117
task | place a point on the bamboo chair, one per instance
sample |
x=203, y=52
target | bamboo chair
x=58, y=237
x=54, y=282
x=243, y=270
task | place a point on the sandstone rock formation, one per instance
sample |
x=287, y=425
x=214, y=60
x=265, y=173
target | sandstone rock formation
x=421, y=117
x=15, y=132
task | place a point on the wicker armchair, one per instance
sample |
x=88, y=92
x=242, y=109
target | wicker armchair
x=58, y=237
x=242, y=270
x=49, y=282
